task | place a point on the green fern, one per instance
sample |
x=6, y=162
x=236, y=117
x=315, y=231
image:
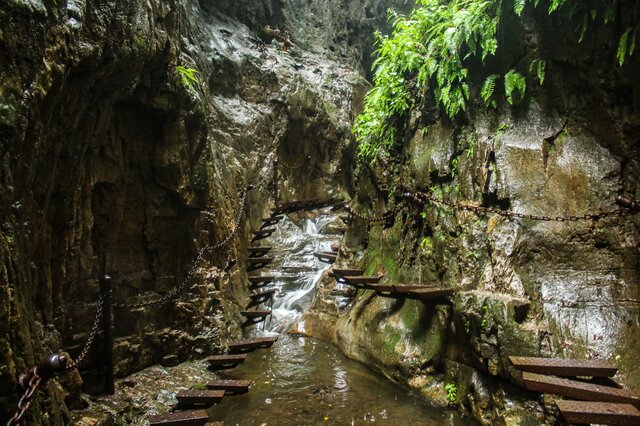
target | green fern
x=515, y=87
x=626, y=47
x=518, y=6
x=188, y=77
x=555, y=5
x=540, y=68
x=488, y=88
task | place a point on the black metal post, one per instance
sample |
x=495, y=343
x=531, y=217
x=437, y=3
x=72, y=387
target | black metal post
x=107, y=349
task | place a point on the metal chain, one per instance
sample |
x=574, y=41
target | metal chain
x=421, y=197
x=92, y=335
x=33, y=383
x=297, y=166
x=194, y=268
x=372, y=219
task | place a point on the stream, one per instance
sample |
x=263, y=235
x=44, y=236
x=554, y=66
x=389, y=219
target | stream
x=304, y=381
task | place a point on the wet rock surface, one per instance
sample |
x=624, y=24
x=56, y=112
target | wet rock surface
x=107, y=163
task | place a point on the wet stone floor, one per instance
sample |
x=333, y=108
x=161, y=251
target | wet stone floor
x=302, y=381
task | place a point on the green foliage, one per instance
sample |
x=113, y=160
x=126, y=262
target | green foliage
x=188, y=77
x=626, y=45
x=452, y=393
x=539, y=66
x=489, y=86
x=515, y=86
x=428, y=53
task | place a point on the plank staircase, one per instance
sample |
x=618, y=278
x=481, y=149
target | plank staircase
x=326, y=257
x=607, y=403
x=254, y=263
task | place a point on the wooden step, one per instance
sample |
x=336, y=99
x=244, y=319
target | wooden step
x=259, y=251
x=429, y=293
x=269, y=293
x=342, y=229
x=255, y=314
x=188, y=418
x=326, y=257
x=252, y=344
x=199, y=397
x=230, y=387
x=259, y=260
x=263, y=233
x=261, y=278
x=226, y=360
x=565, y=367
x=352, y=279
x=578, y=390
x=338, y=272
x=607, y=413
x=270, y=221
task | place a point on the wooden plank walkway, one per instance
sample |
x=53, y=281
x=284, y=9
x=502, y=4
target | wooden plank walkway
x=262, y=234
x=259, y=251
x=261, y=278
x=189, y=418
x=249, y=345
x=270, y=221
x=578, y=390
x=230, y=387
x=325, y=256
x=352, y=279
x=268, y=293
x=565, y=367
x=585, y=413
x=189, y=398
x=226, y=361
x=341, y=272
x=254, y=263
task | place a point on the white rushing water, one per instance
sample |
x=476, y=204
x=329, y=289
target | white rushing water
x=296, y=267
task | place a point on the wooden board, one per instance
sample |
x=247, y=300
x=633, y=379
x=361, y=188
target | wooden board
x=259, y=251
x=189, y=418
x=343, y=272
x=578, y=390
x=565, y=367
x=250, y=344
x=263, y=293
x=429, y=293
x=259, y=260
x=230, y=387
x=199, y=397
x=351, y=279
x=584, y=413
x=261, y=278
x=255, y=314
x=217, y=360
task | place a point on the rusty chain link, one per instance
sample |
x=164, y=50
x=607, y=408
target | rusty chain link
x=298, y=166
x=32, y=382
x=92, y=335
x=372, y=219
x=421, y=198
x=194, y=268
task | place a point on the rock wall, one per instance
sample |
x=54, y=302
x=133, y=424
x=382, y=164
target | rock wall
x=108, y=163
x=523, y=287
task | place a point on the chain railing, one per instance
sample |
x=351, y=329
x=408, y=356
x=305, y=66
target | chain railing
x=194, y=268
x=58, y=364
x=422, y=198
x=374, y=219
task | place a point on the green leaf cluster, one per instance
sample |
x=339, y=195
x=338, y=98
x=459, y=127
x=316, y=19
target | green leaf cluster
x=428, y=53
x=188, y=77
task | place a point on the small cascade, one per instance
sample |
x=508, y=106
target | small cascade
x=297, y=268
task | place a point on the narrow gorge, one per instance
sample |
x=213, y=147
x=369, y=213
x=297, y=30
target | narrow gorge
x=421, y=199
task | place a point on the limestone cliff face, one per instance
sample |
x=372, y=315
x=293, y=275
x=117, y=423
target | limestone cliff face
x=107, y=163
x=523, y=287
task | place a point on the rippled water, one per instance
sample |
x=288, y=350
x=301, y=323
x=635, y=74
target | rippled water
x=303, y=381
